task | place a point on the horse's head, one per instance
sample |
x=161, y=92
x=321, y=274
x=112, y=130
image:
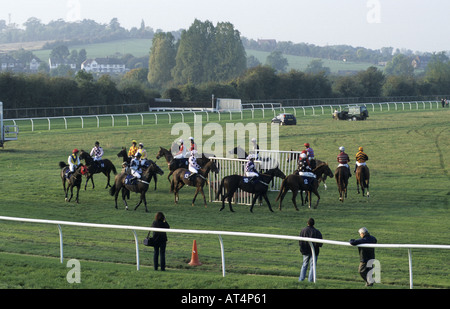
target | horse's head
x=123, y=153
x=155, y=168
x=324, y=169
x=276, y=172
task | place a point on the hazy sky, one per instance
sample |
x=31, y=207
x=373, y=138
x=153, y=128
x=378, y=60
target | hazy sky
x=418, y=25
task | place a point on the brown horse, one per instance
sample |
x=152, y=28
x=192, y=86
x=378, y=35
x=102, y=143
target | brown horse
x=125, y=158
x=362, y=178
x=104, y=166
x=320, y=178
x=74, y=180
x=198, y=180
x=342, y=174
x=175, y=164
x=258, y=187
x=295, y=183
x=141, y=185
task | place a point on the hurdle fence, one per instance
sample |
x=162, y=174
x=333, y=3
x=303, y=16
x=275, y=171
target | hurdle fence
x=267, y=159
x=311, y=241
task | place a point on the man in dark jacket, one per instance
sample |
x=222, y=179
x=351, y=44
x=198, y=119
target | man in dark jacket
x=365, y=254
x=311, y=232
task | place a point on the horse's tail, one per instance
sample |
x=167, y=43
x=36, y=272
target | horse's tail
x=112, y=190
x=219, y=190
x=283, y=183
x=113, y=168
x=62, y=164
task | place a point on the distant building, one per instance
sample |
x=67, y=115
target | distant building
x=104, y=65
x=34, y=65
x=8, y=63
x=53, y=64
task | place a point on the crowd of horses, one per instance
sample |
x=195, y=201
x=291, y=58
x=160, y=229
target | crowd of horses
x=178, y=169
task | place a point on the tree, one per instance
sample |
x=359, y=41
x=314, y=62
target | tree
x=276, y=60
x=207, y=53
x=400, y=65
x=438, y=73
x=316, y=66
x=371, y=81
x=162, y=59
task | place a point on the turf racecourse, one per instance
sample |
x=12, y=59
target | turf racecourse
x=409, y=203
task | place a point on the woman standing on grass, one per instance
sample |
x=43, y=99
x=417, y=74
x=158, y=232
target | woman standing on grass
x=160, y=241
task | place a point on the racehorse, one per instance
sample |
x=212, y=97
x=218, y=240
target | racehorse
x=362, y=178
x=74, y=180
x=125, y=158
x=175, y=164
x=321, y=178
x=342, y=174
x=104, y=166
x=141, y=185
x=258, y=187
x=295, y=183
x=198, y=180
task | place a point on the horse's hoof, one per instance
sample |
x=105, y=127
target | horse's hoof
x=66, y=199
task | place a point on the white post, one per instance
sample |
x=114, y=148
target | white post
x=222, y=251
x=61, y=258
x=137, y=249
x=410, y=269
x=313, y=251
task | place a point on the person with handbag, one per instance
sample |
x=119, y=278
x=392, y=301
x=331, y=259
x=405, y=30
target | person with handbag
x=159, y=241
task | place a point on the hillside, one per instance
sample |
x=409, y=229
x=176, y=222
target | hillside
x=141, y=48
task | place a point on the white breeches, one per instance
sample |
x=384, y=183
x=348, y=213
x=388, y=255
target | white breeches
x=193, y=170
x=251, y=174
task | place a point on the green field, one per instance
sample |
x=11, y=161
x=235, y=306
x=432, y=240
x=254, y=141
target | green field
x=141, y=48
x=409, y=203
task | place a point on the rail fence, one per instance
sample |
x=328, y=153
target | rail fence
x=409, y=247
x=251, y=111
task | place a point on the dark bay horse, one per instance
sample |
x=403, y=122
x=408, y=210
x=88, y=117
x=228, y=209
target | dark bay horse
x=73, y=181
x=125, y=158
x=95, y=167
x=295, y=183
x=179, y=180
x=321, y=178
x=362, y=179
x=342, y=174
x=141, y=185
x=175, y=164
x=258, y=187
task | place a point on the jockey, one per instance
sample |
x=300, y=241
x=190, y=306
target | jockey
x=133, y=149
x=193, y=144
x=74, y=162
x=343, y=159
x=142, y=151
x=361, y=158
x=193, y=165
x=304, y=166
x=310, y=155
x=135, y=166
x=181, y=152
x=250, y=169
x=97, y=152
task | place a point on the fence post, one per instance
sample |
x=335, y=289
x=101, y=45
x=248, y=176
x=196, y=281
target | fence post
x=410, y=269
x=222, y=252
x=137, y=249
x=61, y=258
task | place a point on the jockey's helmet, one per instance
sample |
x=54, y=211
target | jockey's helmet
x=134, y=142
x=303, y=155
x=342, y=148
x=75, y=150
x=360, y=149
x=306, y=144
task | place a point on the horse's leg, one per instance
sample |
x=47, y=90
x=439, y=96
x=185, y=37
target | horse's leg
x=318, y=197
x=253, y=201
x=78, y=192
x=107, y=174
x=195, y=195
x=204, y=197
x=282, y=194
x=168, y=176
x=71, y=193
x=267, y=201
x=156, y=179
x=294, y=198
x=124, y=196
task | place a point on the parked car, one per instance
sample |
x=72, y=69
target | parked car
x=352, y=113
x=285, y=119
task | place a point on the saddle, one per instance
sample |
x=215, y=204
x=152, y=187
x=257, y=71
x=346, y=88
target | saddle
x=130, y=180
x=250, y=180
x=189, y=176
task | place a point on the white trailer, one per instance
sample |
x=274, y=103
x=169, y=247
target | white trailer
x=7, y=133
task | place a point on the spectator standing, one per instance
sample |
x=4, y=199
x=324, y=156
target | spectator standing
x=160, y=239
x=365, y=253
x=311, y=232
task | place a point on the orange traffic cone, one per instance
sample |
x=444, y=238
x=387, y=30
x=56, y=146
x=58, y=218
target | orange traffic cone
x=194, y=259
